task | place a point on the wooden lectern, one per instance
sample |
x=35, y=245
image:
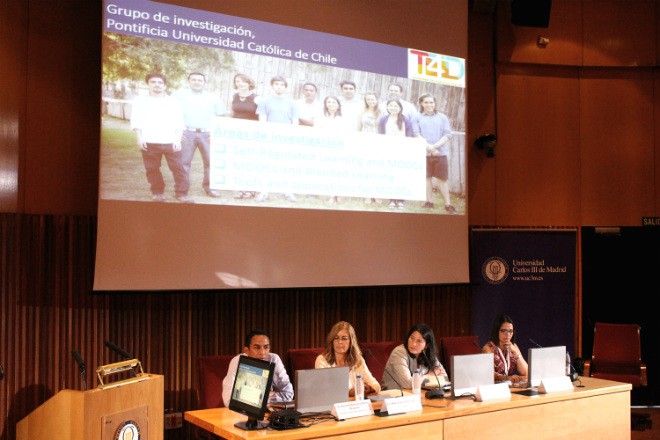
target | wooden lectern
x=126, y=410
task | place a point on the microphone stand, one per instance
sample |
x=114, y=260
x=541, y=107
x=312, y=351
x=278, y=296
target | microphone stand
x=82, y=368
x=385, y=370
x=575, y=377
x=434, y=394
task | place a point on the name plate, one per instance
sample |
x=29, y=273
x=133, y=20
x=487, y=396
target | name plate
x=348, y=410
x=398, y=405
x=555, y=384
x=496, y=391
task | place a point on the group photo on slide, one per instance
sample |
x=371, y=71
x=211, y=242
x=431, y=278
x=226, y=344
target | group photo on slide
x=248, y=129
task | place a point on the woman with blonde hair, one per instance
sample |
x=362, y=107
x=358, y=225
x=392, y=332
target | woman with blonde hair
x=342, y=349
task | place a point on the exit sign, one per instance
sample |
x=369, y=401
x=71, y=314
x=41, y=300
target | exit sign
x=650, y=221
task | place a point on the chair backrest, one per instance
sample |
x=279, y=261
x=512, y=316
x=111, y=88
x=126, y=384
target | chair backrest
x=212, y=371
x=617, y=353
x=381, y=352
x=301, y=359
x=457, y=345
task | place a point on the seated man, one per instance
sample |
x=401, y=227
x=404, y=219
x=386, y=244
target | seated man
x=257, y=345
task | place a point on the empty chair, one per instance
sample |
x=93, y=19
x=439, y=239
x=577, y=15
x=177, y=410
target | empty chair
x=212, y=371
x=457, y=345
x=617, y=356
x=301, y=359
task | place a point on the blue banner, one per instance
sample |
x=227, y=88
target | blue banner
x=529, y=275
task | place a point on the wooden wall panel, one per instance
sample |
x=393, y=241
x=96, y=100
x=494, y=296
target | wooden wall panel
x=13, y=61
x=481, y=118
x=63, y=107
x=538, y=165
x=518, y=44
x=657, y=30
x=618, y=33
x=616, y=146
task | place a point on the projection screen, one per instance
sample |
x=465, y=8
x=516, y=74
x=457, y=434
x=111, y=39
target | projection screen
x=326, y=182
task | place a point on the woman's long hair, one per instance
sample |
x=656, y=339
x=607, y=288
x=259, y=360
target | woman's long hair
x=495, y=330
x=353, y=355
x=430, y=352
x=399, y=118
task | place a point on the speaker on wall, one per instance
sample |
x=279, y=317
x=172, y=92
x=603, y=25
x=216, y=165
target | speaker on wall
x=531, y=13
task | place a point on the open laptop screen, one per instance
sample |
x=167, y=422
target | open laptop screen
x=317, y=390
x=470, y=371
x=546, y=362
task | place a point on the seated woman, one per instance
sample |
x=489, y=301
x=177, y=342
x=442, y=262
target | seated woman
x=509, y=363
x=419, y=351
x=342, y=349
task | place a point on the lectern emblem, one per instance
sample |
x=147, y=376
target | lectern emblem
x=495, y=270
x=129, y=430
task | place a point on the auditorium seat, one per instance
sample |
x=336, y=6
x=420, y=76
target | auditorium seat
x=212, y=370
x=381, y=351
x=617, y=356
x=457, y=345
x=301, y=359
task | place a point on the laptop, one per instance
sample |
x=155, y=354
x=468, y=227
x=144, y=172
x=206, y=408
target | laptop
x=469, y=372
x=544, y=362
x=318, y=389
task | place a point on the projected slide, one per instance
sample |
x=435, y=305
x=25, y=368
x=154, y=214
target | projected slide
x=238, y=153
x=261, y=114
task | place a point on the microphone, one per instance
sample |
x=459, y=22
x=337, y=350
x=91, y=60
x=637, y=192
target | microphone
x=385, y=370
x=535, y=343
x=434, y=394
x=119, y=351
x=572, y=371
x=81, y=367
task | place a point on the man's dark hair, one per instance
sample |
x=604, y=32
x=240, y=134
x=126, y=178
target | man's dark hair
x=197, y=73
x=279, y=78
x=155, y=75
x=252, y=334
x=310, y=84
x=397, y=85
x=344, y=82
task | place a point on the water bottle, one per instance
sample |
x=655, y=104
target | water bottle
x=359, y=388
x=417, y=382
